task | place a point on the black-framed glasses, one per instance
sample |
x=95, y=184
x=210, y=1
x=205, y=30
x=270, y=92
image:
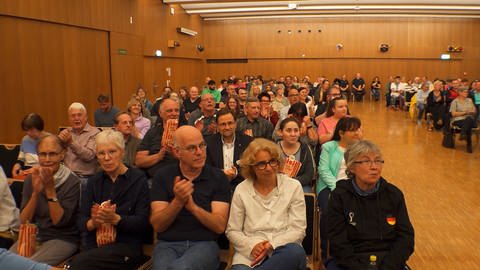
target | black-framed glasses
x=263, y=164
x=377, y=162
x=192, y=148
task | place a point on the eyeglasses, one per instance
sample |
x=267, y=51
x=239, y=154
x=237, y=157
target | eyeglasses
x=263, y=164
x=377, y=162
x=192, y=148
x=103, y=154
x=48, y=154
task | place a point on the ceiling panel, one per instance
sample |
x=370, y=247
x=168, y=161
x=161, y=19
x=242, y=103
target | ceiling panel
x=211, y=10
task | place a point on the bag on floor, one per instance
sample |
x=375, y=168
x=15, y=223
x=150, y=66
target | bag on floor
x=27, y=240
x=448, y=140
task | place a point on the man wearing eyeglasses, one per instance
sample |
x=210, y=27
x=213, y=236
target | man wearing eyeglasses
x=151, y=153
x=225, y=148
x=190, y=202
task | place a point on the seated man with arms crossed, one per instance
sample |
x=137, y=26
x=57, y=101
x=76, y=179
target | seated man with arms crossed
x=190, y=202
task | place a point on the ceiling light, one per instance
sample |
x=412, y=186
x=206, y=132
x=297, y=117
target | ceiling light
x=292, y=6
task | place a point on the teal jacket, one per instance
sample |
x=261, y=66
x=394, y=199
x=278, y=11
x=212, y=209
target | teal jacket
x=329, y=165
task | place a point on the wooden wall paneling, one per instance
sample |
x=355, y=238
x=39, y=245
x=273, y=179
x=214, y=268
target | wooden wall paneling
x=104, y=15
x=45, y=67
x=184, y=72
x=225, y=39
x=127, y=70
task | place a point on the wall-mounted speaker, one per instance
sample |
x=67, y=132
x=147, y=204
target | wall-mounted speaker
x=384, y=48
x=200, y=48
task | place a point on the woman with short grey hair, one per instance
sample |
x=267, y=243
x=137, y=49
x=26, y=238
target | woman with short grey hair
x=367, y=218
x=114, y=210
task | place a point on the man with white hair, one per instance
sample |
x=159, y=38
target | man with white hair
x=79, y=139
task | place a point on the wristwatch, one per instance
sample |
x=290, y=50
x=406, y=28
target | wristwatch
x=54, y=199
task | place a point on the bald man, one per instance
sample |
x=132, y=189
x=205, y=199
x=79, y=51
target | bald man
x=151, y=154
x=190, y=202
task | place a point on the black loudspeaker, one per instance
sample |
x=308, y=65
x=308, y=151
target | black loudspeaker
x=384, y=48
x=200, y=48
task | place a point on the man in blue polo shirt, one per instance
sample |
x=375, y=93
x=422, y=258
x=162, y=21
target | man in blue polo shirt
x=190, y=202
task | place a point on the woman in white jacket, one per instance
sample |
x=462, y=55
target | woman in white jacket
x=267, y=215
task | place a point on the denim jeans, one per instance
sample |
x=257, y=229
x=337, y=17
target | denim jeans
x=185, y=255
x=289, y=257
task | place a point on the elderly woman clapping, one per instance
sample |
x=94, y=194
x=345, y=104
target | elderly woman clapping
x=50, y=200
x=367, y=218
x=114, y=210
x=267, y=215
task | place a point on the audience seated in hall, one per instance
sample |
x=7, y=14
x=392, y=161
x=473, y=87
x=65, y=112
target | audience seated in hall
x=397, y=89
x=267, y=218
x=142, y=97
x=464, y=114
x=436, y=107
x=9, y=214
x=280, y=100
x=124, y=124
x=190, y=202
x=294, y=150
x=358, y=87
x=475, y=96
x=325, y=97
x=266, y=110
x=12, y=261
x=105, y=114
x=151, y=153
x=211, y=89
x=422, y=95
x=191, y=103
x=337, y=109
x=293, y=98
x=32, y=124
x=141, y=123
x=331, y=168
x=367, y=216
x=375, y=88
x=80, y=142
x=114, y=211
x=225, y=147
x=252, y=124
x=203, y=118
x=50, y=200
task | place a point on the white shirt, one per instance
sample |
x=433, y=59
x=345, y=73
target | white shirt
x=278, y=217
x=342, y=174
x=228, y=154
x=9, y=213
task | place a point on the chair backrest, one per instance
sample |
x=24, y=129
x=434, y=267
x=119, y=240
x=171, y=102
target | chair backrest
x=8, y=156
x=312, y=225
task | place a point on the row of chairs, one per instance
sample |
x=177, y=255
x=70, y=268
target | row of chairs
x=311, y=242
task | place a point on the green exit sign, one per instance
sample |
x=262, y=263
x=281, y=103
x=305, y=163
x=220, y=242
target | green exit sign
x=122, y=51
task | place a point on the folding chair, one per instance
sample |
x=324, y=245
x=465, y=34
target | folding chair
x=311, y=241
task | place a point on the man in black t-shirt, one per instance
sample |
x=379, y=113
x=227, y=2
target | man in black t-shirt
x=358, y=85
x=190, y=203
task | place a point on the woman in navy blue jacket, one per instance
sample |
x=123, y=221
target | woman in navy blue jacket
x=114, y=210
x=367, y=216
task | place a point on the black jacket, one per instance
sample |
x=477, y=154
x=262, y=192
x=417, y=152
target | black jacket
x=131, y=195
x=215, y=152
x=359, y=226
